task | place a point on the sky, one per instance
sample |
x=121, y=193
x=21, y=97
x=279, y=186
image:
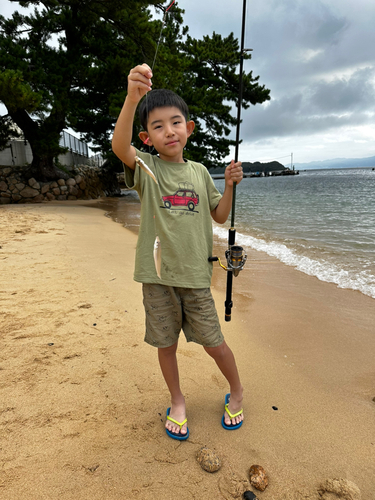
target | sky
x=318, y=60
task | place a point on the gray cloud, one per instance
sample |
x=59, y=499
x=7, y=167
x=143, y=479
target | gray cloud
x=341, y=95
x=318, y=61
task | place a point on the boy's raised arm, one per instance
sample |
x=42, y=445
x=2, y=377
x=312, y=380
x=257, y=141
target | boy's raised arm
x=139, y=83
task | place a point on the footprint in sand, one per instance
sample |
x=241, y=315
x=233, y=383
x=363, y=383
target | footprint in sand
x=339, y=489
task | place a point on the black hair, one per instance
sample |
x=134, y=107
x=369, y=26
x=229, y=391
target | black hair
x=161, y=98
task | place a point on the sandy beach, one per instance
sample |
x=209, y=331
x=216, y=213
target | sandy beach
x=83, y=402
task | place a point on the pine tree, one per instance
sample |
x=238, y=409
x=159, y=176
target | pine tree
x=65, y=64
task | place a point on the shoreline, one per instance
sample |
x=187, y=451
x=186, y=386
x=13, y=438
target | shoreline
x=83, y=399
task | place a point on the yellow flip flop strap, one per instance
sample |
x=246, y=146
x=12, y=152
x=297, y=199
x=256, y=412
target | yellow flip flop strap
x=235, y=414
x=175, y=421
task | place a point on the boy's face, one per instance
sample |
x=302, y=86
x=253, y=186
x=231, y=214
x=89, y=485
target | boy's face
x=168, y=132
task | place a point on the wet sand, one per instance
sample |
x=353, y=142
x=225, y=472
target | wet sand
x=82, y=401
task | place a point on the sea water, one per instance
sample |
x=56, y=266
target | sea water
x=320, y=222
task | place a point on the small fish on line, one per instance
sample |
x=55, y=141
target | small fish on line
x=145, y=168
x=157, y=256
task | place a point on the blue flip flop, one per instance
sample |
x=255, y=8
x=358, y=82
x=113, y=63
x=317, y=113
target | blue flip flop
x=230, y=427
x=179, y=436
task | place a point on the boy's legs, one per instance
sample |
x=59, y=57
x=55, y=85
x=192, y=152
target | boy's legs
x=169, y=368
x=224, y=359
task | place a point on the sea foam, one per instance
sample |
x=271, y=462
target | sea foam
x=330, y=272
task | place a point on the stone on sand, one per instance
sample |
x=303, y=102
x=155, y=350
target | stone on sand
x=208, y=460
x=258, y=477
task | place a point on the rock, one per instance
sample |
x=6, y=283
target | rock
x=4, y=201
x=16, y=197
x=20, y=186
x=56, y=191
x=38, y=199
x=50, y=196
x=63, y=189
x=29, y=192
x=71, y=182
x=61, y=182
x=82, y=185
x=78, y=179
x=54, y=185
x=258, y=477
x=73, y=191
x=33, y=183
x=3, y=186
x=336, y=489
x=45, y=188
x=6, y=195
x=208, y=460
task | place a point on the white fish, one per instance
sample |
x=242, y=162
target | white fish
x=145, y=168
x=157, y=256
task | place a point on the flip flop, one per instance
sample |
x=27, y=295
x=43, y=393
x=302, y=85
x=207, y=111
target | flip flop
x=179, y=436
x=230, y=427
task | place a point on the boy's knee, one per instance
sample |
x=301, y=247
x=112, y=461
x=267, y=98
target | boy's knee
x=168, y=350
x=215, y=352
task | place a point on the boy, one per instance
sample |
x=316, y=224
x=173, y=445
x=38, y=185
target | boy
x=176, y=211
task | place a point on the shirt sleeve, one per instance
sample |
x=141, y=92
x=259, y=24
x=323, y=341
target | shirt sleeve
x=129, y=177
x=132, y=177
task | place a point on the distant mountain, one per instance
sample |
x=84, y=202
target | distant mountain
x=271, y=166
x=337, y=163
x=256, y=167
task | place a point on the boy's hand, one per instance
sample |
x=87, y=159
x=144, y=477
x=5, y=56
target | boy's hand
x=139, y=82
x=233, y=173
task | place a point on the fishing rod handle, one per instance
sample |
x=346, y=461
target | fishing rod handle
x=228, y=302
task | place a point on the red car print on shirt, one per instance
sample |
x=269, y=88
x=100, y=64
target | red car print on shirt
x=183, y=197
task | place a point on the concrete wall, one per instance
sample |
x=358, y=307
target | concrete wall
x=19, y=154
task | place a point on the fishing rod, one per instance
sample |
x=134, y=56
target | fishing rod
x=235, y=255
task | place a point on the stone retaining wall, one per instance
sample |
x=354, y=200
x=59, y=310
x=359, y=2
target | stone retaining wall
x=85, y=183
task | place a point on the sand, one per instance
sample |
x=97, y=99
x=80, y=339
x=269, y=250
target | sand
x=82, y=400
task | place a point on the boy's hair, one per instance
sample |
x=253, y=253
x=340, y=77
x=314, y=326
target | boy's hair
x=161, y=98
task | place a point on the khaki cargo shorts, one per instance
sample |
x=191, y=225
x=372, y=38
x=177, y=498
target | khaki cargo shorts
x=170, y=309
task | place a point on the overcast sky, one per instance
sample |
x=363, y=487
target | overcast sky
x=317, y=57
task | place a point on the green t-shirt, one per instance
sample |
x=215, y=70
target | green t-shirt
x=178, y=211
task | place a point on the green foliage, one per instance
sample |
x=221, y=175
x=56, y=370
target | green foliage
x=65, y=64
x=15, y=93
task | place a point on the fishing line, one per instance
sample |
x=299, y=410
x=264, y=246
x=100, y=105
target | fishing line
x=156, y=53
x=161, y=31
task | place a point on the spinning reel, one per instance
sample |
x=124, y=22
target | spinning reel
x=235, y=255
x=236, y=259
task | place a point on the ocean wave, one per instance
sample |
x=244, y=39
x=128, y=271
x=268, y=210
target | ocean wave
x=361, y=280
